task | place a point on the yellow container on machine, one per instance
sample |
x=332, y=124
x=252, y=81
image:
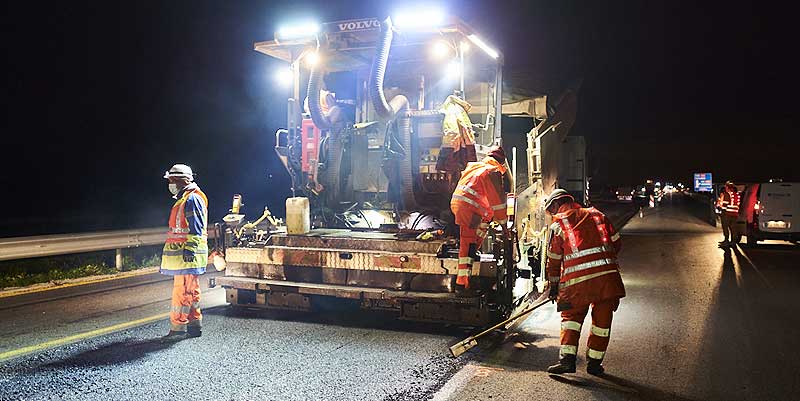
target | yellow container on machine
x=298, y=215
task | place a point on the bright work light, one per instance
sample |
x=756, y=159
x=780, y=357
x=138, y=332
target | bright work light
x=298, y=31
x=440, y=49
x=312, y=58
x=453, y=71
x=284, y=76
x=480, y=43
x=419, y=19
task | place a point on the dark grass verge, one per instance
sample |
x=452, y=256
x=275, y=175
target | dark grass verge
x=25, y=272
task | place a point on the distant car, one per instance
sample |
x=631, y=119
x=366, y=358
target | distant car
x=771, y=210
x=624, y=194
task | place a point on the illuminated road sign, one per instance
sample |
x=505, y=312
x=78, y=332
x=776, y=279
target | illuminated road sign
x=702, y=182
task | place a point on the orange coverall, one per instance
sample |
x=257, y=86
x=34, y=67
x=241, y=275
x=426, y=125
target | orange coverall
x=582, y=259
x=478, y=199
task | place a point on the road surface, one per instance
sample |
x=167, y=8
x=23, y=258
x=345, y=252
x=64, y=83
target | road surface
x=698, y=323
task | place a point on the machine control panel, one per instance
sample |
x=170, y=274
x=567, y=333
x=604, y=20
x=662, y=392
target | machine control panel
x=310, y=138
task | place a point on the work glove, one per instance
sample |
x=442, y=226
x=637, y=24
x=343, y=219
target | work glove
x=553, y=295
x=188, y=256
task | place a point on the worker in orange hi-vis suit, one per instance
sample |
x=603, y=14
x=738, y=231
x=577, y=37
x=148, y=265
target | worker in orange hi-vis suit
x=479, y=198
x=582, y=271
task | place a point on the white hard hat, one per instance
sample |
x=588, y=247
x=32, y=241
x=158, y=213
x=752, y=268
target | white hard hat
x=180, y=171
x=556, y=194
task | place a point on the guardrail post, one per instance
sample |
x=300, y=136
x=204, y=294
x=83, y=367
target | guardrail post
x=118, y=259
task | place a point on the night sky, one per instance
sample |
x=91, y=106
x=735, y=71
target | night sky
x=102, y=97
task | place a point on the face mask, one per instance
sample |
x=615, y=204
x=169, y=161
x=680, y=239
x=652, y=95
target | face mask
x=173, y=188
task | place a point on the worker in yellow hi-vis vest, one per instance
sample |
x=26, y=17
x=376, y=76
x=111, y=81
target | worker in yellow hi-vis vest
x=185, y=253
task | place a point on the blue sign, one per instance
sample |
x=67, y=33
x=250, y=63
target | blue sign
x=702, y=182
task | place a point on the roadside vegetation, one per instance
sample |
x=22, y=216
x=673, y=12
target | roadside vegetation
x=20, y=273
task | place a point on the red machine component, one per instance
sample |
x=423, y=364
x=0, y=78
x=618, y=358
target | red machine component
x=310, y=142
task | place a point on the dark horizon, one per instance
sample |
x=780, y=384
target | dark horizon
x=101, y=97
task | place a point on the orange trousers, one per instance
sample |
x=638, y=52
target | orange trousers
x=185, y=310
x=572, y=320
x=468, y=236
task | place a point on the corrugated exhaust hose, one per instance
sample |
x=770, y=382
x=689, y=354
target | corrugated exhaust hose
x=314, y=86
x=397, y=163
x=385, y=110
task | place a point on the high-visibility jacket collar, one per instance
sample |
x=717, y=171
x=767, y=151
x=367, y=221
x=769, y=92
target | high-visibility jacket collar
x=496, y=164
x=189, y=188
x=566, y=209
x=455, y=100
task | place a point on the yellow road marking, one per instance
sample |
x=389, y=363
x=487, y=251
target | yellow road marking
x=77, y=337
x=21, y=291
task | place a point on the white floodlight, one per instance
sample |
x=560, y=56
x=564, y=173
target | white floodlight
x=297, y=31
x=453, y=71
x=419, y=19
x=486, y=48
x=440, y=49
x=312, y=58
x=284, y=76
x=464, y=45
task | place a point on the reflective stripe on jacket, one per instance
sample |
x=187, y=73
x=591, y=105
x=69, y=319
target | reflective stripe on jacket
x=187, y=232
x=729, y=202
x=480, y=189
x=582, y=256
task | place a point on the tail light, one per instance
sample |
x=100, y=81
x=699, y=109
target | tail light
x=757, y=209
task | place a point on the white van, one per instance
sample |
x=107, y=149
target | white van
x=771, y=210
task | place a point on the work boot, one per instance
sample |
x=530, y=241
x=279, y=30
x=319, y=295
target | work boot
x=594, y=366
x=174, y=336
x=194, y=332
x=566, y=364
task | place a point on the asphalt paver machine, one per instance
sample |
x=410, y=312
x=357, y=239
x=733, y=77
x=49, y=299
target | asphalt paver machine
x=364, y=134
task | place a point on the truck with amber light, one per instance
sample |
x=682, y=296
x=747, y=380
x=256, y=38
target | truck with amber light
x=365, y=144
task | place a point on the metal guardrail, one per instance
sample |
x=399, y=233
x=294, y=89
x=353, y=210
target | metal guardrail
x=62, y=244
